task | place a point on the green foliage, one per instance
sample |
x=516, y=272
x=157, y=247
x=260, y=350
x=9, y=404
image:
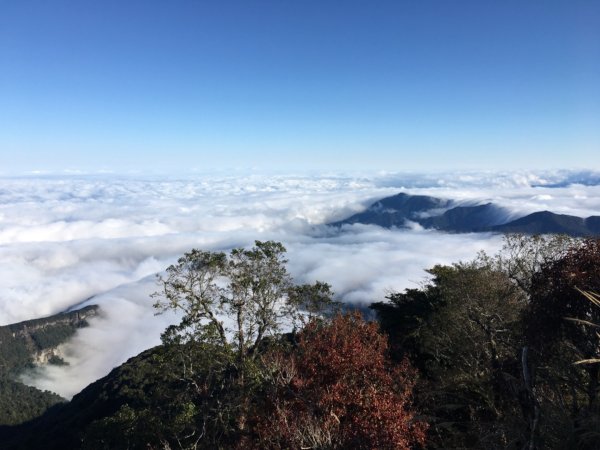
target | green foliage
x=495, y=355
x=461, y=331
x=221, y=370
x=247, y=286
x=21, y=342
x=198, y=389
x=523, y=256
x=144, y=383
x=52, y=337
x=57, y=361
x=15, y=353
x=404, y=316
x=20, y=403
x=313, y=301
x=495, y=352
x=208, y=386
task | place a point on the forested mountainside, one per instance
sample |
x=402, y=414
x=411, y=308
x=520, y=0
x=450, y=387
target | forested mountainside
x=35, y=341
x=24, y=345
x=501, y=352
x=445, y=215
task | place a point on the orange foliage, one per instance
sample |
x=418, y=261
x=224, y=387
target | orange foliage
x=341, y=391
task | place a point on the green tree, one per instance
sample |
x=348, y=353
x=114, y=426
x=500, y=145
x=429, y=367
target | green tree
x=234, y=306
x=462, y=331
x=522, y=256
x=238, y=299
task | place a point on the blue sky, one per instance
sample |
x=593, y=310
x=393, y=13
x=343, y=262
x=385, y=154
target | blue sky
x=288, y=85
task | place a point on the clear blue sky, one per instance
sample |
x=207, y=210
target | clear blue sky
x=330, y=85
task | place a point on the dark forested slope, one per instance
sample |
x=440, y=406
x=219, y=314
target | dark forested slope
x=22, y=346
x=35, y=341
x=498, y=353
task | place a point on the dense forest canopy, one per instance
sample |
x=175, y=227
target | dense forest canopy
x=499, y=353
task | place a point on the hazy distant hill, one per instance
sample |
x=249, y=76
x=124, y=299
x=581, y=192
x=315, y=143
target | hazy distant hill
x=545, y=222
x=444, y=215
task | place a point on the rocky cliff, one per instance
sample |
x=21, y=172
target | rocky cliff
x=37, y=341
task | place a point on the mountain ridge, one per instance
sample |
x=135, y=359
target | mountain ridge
x=31, y=343
x=449, y=216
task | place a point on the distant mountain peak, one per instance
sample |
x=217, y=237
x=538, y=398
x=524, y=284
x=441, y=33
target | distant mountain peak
x=394, y=211
x=446, y=215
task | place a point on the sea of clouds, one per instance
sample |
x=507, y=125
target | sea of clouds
x=101, y=239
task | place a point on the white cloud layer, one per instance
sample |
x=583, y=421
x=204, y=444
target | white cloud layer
x=66, y=240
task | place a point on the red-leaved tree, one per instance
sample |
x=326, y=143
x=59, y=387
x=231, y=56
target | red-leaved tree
x=338, y=389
